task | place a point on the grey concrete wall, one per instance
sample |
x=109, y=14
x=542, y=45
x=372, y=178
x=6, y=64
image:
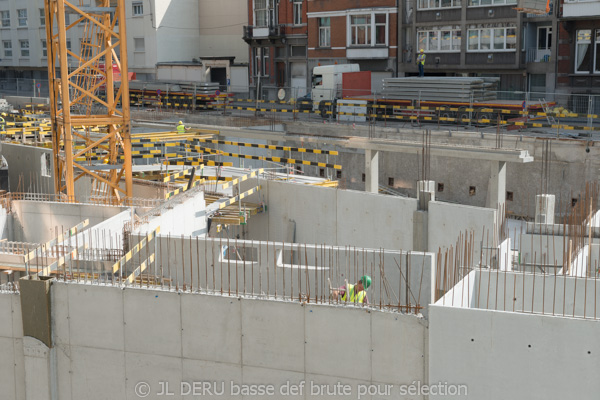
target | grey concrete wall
x=501, y=355
x=36, y=221
x=525, y=292
x=25, y=167
x=12, y=365
x=187, y=218
x=108, y=340
x=21, y=101
x=331, y=216
x=447, y=221
x=275, y=269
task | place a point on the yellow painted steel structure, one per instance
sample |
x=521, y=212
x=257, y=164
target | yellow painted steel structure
x=75, y=98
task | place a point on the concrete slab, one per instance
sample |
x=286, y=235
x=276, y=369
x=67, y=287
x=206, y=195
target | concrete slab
x=96, y=317
x=7, y=368
x=399, y=357
x=217, y=376
x=97, y=373
x=336, y=339
x=211, y=328
x=286, y=384
x=6, y=327
x=152, y=372
x=267, y=342
x=152, y=322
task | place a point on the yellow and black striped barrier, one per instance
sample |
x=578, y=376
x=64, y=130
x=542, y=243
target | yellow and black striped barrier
x=239, y=197
x=177, y=175
x=234, y=182
x=273, y=159
x=194, y=161
x=129, y=255
x=266, y=146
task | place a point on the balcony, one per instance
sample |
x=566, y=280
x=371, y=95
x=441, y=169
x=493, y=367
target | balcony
x=581, y=9
x=535, y=55
x=271, y=32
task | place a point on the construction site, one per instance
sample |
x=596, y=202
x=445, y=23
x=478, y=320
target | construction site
x=156, y=247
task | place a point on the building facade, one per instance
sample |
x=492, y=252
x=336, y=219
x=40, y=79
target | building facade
x=158, y=31
x=277, y=38
x=363, y=32
x=579, y=48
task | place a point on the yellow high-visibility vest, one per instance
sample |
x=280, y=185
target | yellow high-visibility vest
x=181, y=128
x=354, y=297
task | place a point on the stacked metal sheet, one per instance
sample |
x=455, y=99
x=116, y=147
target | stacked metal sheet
x=449, y=88
x=201, y=87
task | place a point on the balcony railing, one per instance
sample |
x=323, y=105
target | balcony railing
x=538, y=55
x=271, y=31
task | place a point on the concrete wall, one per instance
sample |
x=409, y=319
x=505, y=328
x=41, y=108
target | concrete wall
x=282, y=270
x=36, y=221
x=108, y=340
x=331, y=216
x=12, y=366
x=502, y=355
x=187, y=218
x=25, y=168
x=525, y=292
x=447, y=221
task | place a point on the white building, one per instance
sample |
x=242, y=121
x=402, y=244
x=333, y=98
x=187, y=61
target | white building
x=158, y=31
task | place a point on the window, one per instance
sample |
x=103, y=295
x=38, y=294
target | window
x=260, y=61
x=42, y=17
x=447, y=38
x=265, y=61
x=44, y=48
x=22, y=16
x=390, y=181
x=583, y=51
x=265, y=13
x=440, y=187
x=5, y=17
x=139, y=44
x=476, y=3
x=69, y=44
x=492, y=39
x=297, y=12
x=137, y=8
x=509, y=196
x=360, y=28
x=298, y=51
x=368, y=30
x=544, y=38
x=7, y=45
x=428, y=4
x=325, y=32
x=24, y=48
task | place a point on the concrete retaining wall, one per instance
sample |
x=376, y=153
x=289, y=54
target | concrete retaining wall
x=501, y=355
x=12, y=365
x=25, y=168
x=36, y=221
x=289, y=269
x=108, y=340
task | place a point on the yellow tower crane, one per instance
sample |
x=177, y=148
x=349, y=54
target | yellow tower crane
x=89, y=115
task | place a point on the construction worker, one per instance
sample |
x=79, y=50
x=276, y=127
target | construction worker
x=354, y=293
x=2, y=122
x=181, y=127
x=421, y=63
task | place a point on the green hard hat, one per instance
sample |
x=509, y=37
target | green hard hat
x=366, y=281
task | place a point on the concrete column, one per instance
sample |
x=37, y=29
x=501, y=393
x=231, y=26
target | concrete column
x=372, y=171
x=544, y=209
x=496, y=195
x=425, y=194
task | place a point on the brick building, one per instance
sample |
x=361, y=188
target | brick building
x=364, y=32
x=579, y=48
x=277, y=37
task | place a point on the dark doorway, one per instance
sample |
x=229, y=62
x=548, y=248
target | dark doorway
x=219, y=75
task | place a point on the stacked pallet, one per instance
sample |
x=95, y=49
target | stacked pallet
x=443, y=89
